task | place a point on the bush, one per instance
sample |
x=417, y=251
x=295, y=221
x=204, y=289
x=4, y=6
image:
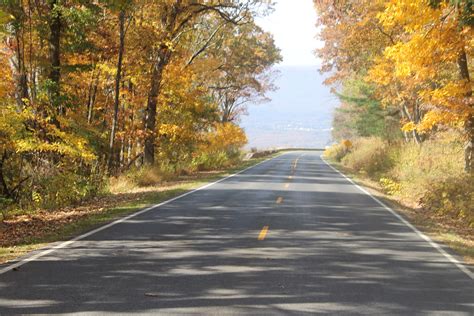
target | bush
x=418, y=167
x=61, y=189
x=390, y=186
x=142, y=177
x=338, y=151
x=220, y=149
x=454, y=196
x=211, y=161
x=369, y=155
x=153, y=175
x=430, y=174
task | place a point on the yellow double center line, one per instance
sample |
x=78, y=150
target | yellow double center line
x=279, y=200
x=263, y=233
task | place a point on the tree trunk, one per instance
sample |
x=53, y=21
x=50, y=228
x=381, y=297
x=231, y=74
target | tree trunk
x=406, y=113
x=118, y=78
x=92, y=97
x=22, y=80
x=417, y=119
x=17, y=61
x=469, y=124
x=150, y=114
x=5, y=190
x=89, y=93
x=55, y=56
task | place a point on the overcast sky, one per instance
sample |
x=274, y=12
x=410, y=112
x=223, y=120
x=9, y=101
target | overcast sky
x=293, y=26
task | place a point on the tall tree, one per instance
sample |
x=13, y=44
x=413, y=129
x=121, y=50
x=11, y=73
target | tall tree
x=122, y=21
x=55, y=28
x=174, y=17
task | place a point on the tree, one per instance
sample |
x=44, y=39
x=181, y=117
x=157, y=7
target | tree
x=123, y=25
x=436, y=39
x=96, y=86
x=243, y=74
x=174, y=17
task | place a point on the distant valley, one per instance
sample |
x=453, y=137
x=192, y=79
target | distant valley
x=299, y=114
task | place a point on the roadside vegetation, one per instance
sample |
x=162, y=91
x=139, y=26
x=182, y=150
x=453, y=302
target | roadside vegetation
x=405, y=125
x=99, y=98
x=29, y=230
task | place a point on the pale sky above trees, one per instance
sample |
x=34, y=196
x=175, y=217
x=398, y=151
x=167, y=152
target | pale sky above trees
x=293, y=26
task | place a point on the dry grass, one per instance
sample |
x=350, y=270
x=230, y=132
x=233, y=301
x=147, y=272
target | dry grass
x=370, y=156
x=426, y=183
x=445, y=229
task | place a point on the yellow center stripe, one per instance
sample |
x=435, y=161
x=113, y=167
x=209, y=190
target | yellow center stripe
x=263, y=233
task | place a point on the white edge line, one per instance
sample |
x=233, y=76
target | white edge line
x=120, y=220
x=453, y=260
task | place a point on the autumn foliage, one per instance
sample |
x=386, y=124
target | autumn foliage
x=415, y=56
x=92, y=89
x=402, y=70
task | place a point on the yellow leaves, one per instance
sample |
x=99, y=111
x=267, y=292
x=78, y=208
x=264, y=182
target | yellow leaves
x=390, y=186
x=36, y=197
x=408, y=127
x=170, y=45
x=380, y=72
x=176, y=133
x=457, y=88
x=15, y=134
x=413, y=15
x=420, y=65
x=433, y=118
x=107, y=68
x=438, y=117
x=225, y=136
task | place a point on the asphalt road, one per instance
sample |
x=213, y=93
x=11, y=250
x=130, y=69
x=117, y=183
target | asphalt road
x=290, y=236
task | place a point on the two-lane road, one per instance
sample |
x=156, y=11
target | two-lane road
x=289, y=236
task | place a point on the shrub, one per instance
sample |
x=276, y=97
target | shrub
x=62, y=188
x=222, y=148
x=454, y=196
x=211, y=160
x=430, y=173
x=369, y=155
x=142, y=177
x=153, y=175
x=390, y=186
x=338, y=151
x=418, y=167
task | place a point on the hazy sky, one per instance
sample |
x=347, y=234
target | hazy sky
x=293, y=26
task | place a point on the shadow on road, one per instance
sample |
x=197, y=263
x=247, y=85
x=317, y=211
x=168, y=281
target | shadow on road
x=329, y=249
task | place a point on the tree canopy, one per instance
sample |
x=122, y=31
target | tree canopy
x=95, y=87
x=415, y=54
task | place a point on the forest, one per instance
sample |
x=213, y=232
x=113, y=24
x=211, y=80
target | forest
x=402, y=70
x=97, y=89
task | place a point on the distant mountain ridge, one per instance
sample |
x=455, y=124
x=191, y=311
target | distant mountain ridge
x=299, y=114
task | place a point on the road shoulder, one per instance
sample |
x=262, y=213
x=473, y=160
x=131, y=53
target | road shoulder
x=68, y=223
x=458, y=241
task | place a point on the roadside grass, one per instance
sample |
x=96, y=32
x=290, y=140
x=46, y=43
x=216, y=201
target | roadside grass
x=440, y=228
x=110, y=207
